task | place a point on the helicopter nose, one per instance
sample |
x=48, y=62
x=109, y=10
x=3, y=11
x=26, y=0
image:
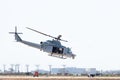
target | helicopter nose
x=73, y=56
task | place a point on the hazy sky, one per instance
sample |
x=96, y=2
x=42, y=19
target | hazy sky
x=92, y=28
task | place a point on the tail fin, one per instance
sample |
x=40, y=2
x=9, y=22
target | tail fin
x=17, y=37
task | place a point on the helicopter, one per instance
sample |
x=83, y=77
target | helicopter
x=53, y=47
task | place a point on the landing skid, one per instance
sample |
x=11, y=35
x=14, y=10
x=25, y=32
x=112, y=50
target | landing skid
x=58, y=56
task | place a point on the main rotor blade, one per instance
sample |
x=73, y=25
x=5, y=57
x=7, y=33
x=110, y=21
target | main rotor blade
x=15, y=29
x=64, y=40
x=57, y=38
x=41, y=32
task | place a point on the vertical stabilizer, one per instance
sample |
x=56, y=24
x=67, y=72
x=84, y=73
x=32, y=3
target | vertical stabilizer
x=17, y=37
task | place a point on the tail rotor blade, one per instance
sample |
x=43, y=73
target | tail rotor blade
x=15, y=31
x=17, y=37
x=11, y=32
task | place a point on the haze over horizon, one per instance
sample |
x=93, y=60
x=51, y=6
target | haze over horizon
x=91, y=27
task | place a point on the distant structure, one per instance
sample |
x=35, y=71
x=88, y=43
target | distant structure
x=50, y=69
x=73, y=70
x=91, y=72
x=12, y=65
x=4, y=66
x=27, y=68
x=37, y=67
x=13, y=69
x=17, y=68
x=63, y=73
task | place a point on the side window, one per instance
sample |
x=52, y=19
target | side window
x=55, y=50
x=60, y=50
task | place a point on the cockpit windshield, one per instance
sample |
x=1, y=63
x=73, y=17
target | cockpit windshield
x=69, y=50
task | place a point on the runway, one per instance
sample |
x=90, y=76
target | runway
x=56, y=78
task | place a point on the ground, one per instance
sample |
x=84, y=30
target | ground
x=56, y=78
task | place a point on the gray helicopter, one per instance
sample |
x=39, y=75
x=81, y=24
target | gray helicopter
x=53, y=47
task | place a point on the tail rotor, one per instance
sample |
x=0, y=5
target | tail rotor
x=15, y=31
x=17, y=37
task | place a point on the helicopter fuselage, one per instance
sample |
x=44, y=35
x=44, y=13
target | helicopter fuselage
x=53, y=47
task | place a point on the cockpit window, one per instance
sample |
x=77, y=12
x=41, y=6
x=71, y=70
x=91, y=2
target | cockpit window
x=69, y=50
